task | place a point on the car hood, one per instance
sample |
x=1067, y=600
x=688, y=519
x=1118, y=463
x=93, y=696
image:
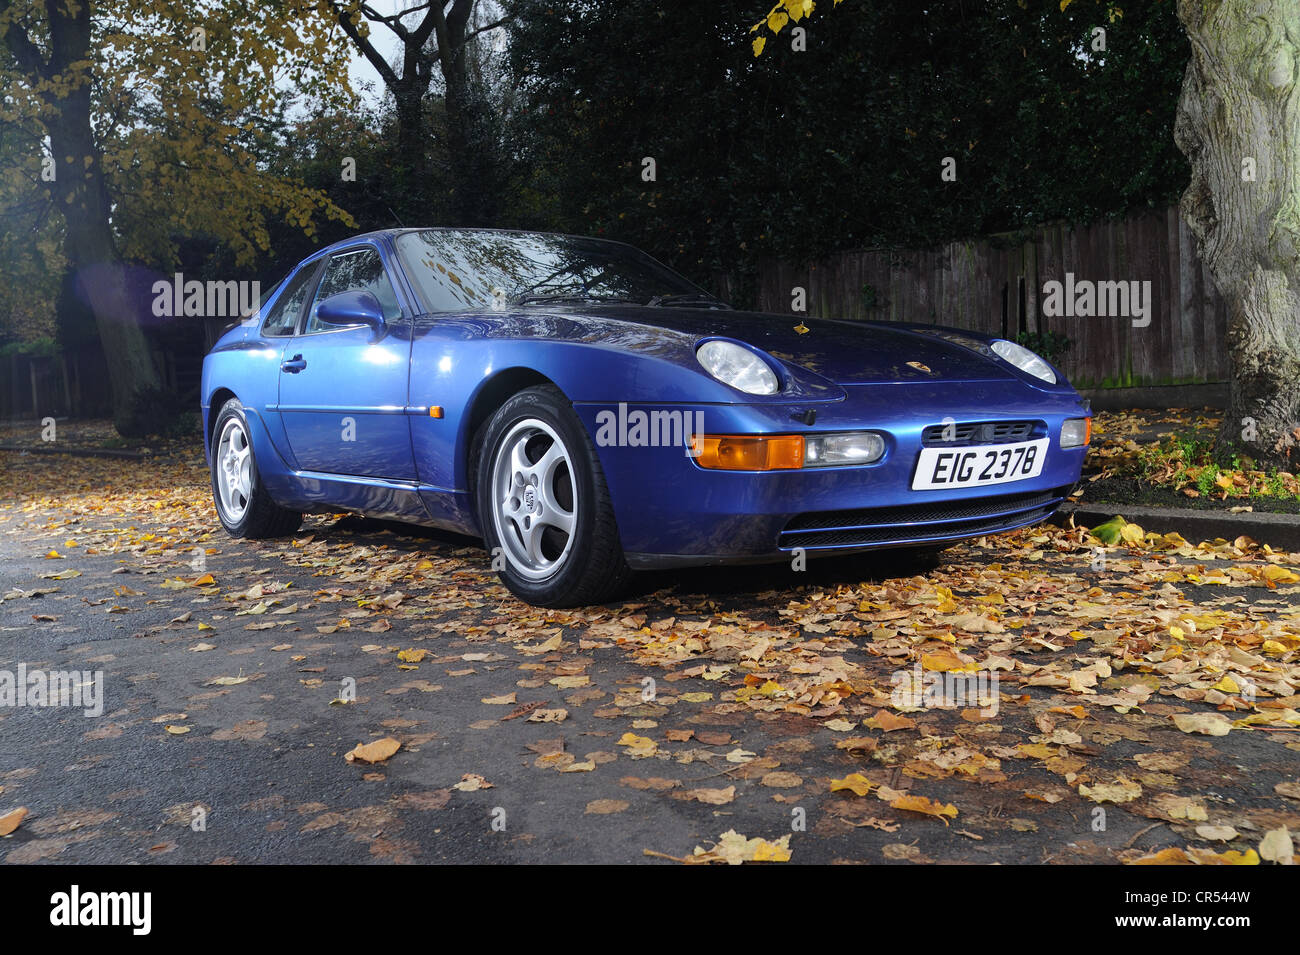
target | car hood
x=846, y=353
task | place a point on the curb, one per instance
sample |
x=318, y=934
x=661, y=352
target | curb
x=1279, y=531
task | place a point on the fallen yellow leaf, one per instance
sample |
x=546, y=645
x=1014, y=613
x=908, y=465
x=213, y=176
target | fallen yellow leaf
x=376, y=752
x=854, y=782
x=12, y=820
x=923, y=805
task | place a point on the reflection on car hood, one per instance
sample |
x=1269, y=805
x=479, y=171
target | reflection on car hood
x=847, y=353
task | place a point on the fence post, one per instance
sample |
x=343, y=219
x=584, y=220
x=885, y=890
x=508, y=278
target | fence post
x=67, y=388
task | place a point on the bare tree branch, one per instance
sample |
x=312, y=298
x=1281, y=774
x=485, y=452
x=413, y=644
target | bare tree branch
x=485, y=29
x=367, y=49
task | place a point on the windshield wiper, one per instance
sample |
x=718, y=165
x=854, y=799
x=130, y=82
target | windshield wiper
x=687, y=300
x=560, y=298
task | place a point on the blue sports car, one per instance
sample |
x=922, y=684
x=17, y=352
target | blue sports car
x=589, y=412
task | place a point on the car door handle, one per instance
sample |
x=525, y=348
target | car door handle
x=294, y=365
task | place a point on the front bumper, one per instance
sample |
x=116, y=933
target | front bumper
x=672, y=512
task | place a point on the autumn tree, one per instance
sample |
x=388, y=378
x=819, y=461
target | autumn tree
x=1239, y=124
x=147, y=114
x=313, y=150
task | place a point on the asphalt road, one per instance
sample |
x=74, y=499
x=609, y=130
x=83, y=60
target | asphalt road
x=222, y=739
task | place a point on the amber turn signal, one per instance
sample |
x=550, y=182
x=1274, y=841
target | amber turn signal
x=748, y=452
x=1076, y=432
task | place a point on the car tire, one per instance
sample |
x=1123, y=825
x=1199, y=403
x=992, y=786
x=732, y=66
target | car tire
x=543, y=506
x=244, y=507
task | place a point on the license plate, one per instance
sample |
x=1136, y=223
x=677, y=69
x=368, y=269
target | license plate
x=979, y=466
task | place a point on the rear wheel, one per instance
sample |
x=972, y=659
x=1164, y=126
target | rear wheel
x=244, y=507
x=543, y=505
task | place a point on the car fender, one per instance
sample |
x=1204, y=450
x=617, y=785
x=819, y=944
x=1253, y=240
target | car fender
x=457, y=364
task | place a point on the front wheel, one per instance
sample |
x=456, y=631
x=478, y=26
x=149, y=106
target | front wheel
x=543, y=505
x=244, y=507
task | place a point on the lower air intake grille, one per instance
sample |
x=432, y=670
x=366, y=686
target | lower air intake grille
x=918, y=522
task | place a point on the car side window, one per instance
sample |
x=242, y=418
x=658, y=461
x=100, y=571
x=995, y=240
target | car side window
x=360, y=270
x=282, y=319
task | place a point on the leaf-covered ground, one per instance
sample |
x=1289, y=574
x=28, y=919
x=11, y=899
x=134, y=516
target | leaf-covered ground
x=1172, y=459
x=1145, y=707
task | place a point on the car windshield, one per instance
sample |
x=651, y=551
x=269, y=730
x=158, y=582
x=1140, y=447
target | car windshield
x=458, y=269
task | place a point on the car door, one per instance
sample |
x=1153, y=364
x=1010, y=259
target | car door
x=278, y=329
x=343, y=389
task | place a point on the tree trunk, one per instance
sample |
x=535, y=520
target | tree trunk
x=412, y=139
x=80, y=193
x=1239, y=109
x=470, y=150
x=461, y=151
x=88, y=244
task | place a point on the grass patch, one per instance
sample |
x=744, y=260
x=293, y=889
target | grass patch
x=1186, y=462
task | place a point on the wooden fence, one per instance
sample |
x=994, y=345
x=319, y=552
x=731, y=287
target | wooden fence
x=62, y=385
x=996, y=285
x=76, y=384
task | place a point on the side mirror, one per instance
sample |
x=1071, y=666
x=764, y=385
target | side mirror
x=352, y=308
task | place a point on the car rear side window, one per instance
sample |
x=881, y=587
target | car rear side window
x=361, y=270
x=283, y=317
